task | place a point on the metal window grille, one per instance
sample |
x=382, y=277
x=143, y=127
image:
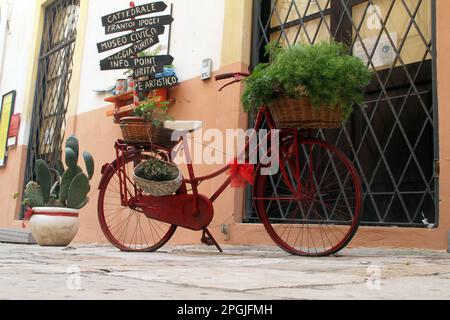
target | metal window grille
x=392, y=137
x=52, y=94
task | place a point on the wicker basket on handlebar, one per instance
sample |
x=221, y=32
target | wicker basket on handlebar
x=136, y=132
x=300, y=113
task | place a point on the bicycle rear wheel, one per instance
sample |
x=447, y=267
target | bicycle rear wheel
x=312, y=207
x=128, y=228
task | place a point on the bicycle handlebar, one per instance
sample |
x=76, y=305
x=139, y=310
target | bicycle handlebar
x=230, y=75
x=237, y=76
x=224, y=76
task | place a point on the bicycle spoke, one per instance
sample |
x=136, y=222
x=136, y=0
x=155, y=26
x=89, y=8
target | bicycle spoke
x=323, y=214
x=129, y=228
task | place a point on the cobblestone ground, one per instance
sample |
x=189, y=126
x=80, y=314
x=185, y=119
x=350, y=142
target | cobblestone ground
x=102, y=272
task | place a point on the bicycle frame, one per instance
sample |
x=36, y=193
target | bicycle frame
x=123, y=148
x=195, y=181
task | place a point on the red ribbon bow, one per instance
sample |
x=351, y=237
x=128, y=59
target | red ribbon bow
x=241, y=174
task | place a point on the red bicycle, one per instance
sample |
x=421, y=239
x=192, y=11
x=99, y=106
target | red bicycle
x=311, y=207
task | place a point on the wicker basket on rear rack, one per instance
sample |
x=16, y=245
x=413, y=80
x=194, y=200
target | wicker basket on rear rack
x=158, y=188
x=300, y=113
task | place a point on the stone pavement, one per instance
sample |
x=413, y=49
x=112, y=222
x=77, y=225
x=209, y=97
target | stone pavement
x=184, y=273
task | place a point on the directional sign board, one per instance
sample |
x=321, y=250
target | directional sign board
x=145, y=66
x=135, y=48
x=144, y=34
x=129, y=38
x=138, y=24
x=134, y=12
x=153, y=84
x=136, y=62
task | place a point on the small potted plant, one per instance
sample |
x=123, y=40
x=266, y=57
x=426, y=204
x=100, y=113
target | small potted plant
x=307, y=86
x=157, y=177
x=57, y=196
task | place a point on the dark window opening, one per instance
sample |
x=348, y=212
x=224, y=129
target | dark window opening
x=392, y=138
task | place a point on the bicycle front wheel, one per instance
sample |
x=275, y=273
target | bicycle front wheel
x=127, y=227
x=312, y=207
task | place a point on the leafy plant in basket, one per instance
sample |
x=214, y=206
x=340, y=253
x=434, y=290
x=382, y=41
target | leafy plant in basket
x=152, y=111
x=147, y=125
x=157, y=177
x=322, y=75
x=156, y=170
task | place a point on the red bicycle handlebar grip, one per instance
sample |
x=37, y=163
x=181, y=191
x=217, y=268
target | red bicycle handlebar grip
x=225, y=76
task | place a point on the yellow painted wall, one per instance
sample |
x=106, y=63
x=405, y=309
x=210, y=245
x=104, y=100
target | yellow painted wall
x=236, y=44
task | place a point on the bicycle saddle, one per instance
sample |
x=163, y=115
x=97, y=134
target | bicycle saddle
x=189, y=126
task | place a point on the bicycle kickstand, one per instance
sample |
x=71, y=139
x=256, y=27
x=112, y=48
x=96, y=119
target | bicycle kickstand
x=209, y=240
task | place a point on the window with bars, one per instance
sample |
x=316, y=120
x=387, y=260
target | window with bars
x=392, y=137
x=52, y=94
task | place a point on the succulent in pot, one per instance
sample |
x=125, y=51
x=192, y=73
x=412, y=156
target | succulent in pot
x=305, y=83
x=56, y=197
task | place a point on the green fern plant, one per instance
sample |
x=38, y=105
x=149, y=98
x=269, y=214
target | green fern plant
x=324, y=72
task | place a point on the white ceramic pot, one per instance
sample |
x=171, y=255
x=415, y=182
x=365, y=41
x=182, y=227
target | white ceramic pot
x=54, y=226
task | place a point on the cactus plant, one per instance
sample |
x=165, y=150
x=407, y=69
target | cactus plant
x=71, y=158
x=72, y=143
x=44, y=179
x=89, y=161
x=68, y=188
x=33, y=195
x=60, y=168
x=66, y=181
x=79, y=188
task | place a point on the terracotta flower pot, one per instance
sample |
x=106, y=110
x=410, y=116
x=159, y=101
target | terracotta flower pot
x=54, y=226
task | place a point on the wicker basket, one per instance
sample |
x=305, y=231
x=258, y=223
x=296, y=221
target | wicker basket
x=135, y=131
x=162, y=137
x=299, y=113
x=158, y=188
